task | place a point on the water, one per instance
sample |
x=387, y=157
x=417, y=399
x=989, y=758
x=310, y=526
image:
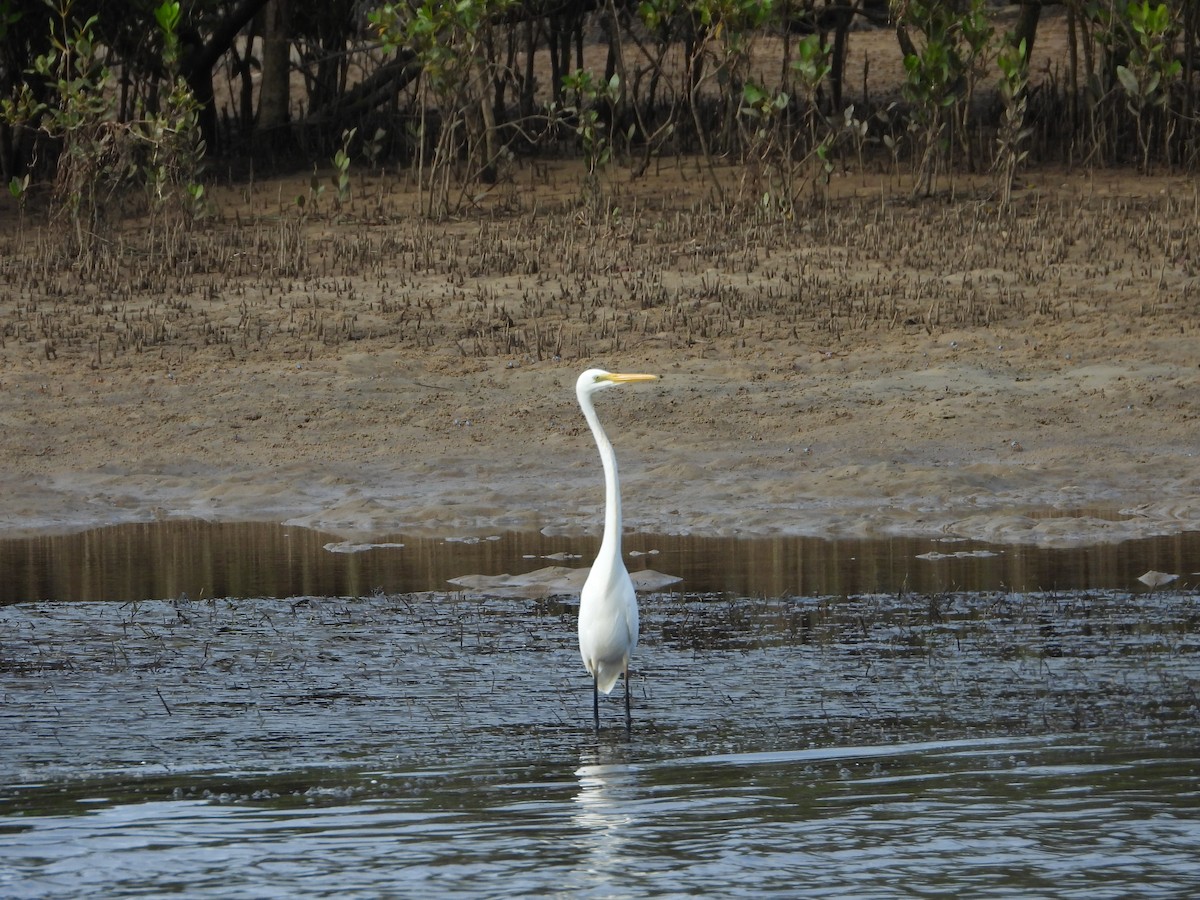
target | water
x=201, y=559
x=959, y=745
x=1003, y=818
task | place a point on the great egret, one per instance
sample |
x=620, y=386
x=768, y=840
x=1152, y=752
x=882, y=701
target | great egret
x=608, y=611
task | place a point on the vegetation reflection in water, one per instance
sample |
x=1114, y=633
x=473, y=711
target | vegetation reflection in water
x=958, y=745
x=168, y=559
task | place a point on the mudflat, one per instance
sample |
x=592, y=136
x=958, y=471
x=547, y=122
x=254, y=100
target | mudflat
x=880, y=365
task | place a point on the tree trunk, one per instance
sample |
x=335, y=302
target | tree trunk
x=1027, y=23
x=276, y=67
x=198, y=60
x=843, y=16
x=200, y=83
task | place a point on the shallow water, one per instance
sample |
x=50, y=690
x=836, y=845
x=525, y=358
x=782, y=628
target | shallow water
x=1055, y=817
x=200, y=559
x=984, y=744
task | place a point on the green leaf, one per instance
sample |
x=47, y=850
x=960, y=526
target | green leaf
x=1159, y=19
x=1129, y=81
x=167, y=15
x=752, y=94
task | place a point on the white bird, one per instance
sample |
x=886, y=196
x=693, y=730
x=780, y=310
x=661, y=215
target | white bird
x=608, y=611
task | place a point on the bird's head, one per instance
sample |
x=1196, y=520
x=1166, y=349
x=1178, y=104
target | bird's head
x=594, y=380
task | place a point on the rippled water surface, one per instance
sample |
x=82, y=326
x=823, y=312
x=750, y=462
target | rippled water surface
x=956, y=745
x=1052, y=817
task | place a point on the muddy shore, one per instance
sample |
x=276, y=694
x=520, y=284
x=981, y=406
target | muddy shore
x=889, y=367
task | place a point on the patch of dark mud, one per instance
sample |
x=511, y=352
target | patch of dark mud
x=158, y=688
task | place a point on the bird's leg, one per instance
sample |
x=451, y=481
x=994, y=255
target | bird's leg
x=596, y=701
x=628, y=714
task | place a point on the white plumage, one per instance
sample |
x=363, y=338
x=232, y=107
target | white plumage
x=608, y=610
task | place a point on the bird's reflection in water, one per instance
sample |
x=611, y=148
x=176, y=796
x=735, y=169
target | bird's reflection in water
x=605, y=811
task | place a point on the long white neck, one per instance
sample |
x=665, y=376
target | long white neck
x=610, y=544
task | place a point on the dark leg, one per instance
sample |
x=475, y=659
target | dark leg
x=628, y=714
x=596, y=703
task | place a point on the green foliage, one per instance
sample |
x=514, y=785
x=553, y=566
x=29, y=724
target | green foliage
x=589, y=92
x=812, y=64
x=1012, y=133
x=811, y=68
x=931, y=74
x=167, y=15
x=311, y=203
x=134, y=136
x=764, y=110
x=79, y=114
x=718, y=36
x=453, y=43
x=733, y=15
x=940, y=75
x=19, y=188
x=656, y=15
x=1151, y=67
x=756, y=101
x=1150, y=59
x=374, y=147
x=174, y=148
x=976, y=49
x=443, y=35
x=98, y=154
x=782, y=158
x=340, y=179
x=1014, y=69
x=932, y=71
x=341, y=165
x=826, y=164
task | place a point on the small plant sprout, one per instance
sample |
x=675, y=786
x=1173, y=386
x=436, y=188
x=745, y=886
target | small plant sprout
x=341, y=165
x=373, y=148
x=19, y=188
x=312, y=202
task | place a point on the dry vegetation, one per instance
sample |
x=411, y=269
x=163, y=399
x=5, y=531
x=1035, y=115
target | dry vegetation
x=543, y=278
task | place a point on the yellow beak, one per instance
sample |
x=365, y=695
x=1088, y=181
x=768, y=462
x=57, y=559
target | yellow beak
x=619, y=378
